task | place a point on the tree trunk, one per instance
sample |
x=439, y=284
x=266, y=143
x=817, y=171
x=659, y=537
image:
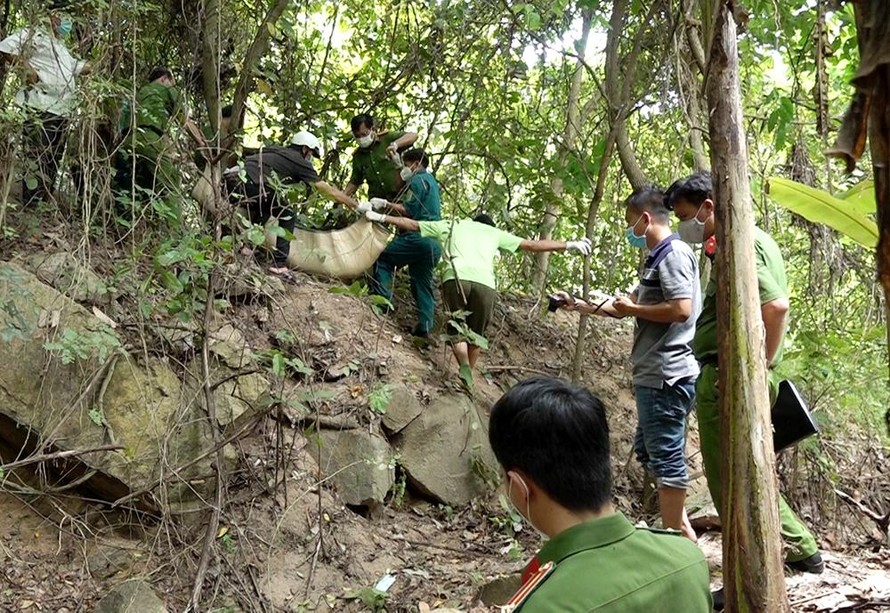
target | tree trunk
x=618, y=85
x=566, y=150
x=210, y=66
x=752, y=549
x=581, y=341
x=868, y=120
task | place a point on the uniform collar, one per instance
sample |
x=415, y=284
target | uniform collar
x=587, y=535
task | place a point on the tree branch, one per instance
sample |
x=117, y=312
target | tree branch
x=46, y=457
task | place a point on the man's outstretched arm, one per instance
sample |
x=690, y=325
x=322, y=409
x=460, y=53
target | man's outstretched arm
x=404, y=223
x=335, y=194
x=583, y=246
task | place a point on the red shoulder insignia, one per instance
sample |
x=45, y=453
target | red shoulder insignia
x=529, y=585
x=530, y=570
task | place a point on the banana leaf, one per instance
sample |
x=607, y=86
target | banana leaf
x=862, y=197
x=819, y=206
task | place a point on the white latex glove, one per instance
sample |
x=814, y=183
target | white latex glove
x=372, y=216
x=392, y=149
x=379, y=203
x=582, y=246
x=363, y=207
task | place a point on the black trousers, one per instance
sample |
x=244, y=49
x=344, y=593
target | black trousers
x=44, y=143
x=261, y=204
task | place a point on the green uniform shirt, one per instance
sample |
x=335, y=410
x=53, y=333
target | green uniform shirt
x=422, y=200
x=156, y=105
x=607, y=565
x=470, y=248
x=771, y=281
x=373, y=165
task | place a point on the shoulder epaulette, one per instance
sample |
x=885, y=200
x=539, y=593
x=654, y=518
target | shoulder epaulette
x=528, y=587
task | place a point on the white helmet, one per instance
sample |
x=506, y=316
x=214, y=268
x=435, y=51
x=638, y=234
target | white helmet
x=304, y=138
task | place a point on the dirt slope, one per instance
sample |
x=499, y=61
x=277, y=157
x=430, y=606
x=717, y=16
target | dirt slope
x=287, y=542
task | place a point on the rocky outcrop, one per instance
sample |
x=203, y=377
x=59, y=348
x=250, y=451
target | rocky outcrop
x=66, y=383
x=63, y=272
x=445, y=451
x=360, y=464
x=133, y=596
x=403, y=407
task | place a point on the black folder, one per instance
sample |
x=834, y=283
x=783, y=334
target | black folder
x=792, y=420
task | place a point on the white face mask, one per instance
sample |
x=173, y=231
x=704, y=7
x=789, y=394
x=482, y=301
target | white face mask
x=692, y=230
x=366, y=141
x=527, y=516
x=406, y=174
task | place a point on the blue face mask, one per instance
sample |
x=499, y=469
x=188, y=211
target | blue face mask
x=635, y=241
x=65, y=26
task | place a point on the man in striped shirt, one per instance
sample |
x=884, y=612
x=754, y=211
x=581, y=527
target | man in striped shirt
x=666, y=303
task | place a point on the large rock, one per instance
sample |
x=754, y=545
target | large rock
x=445, y=451
x=498, y=592
x=66, y=274
x=361, y=465
x=65, y=381
x=238, y=397
x=133, y=596
x=402, y=409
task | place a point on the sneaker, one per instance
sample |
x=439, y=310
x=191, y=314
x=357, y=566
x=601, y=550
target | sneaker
x=812, y=564
x=718, y=599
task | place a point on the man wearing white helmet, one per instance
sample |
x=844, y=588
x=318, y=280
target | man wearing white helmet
x=289, y=165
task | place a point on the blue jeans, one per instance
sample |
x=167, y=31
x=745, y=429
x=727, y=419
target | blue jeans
x=660, y=441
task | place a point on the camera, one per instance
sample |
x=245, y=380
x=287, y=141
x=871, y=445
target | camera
x=554, y=302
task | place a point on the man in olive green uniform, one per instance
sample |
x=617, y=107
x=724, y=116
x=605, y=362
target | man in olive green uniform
x=376, y=161
x=692, y=201
x=157, y=105
x=552, y=440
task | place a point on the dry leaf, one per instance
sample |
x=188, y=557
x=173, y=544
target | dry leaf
x=105, y=319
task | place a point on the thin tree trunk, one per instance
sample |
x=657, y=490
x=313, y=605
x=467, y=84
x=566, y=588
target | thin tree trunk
x=210, y=66
x=879, y=141
x=566, y=150
x=257, y=50
x=619, y=83
x=581, y=342
x=752, y=550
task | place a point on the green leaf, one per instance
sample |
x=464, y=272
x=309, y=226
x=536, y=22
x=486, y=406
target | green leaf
x=862, y=197
x=96, y=416
x=819, y=206
x=278, y=364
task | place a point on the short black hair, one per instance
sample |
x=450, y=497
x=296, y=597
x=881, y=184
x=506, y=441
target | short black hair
x=362, y=119
x=157, y=72
x=695, y=189
x=416, y=155
x=648, y=199
x=556, y=433
x=484, y=218
x=226, y=111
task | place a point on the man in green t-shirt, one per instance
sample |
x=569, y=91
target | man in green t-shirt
x=377, y=161
x=468, y=284
x=551, y=439
x=692, y=201
x=146, y=157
